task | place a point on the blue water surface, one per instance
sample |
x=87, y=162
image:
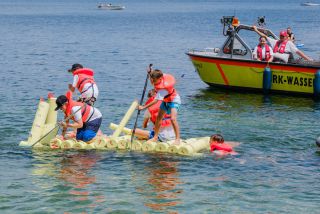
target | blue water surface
x=277, y=166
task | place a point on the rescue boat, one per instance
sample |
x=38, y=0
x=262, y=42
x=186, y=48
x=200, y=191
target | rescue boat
x=232, y=66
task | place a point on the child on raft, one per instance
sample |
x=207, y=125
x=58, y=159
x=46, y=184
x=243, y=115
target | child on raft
x=217, y=143
x=166, y=131
x=171, y=101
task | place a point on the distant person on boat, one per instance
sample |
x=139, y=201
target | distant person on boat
x=283, y=48
x=166, y=131
x=218, y=144
x=83, y=80
x=290, y=34
x=87, y=119
x=263, y=52
x=171, y=101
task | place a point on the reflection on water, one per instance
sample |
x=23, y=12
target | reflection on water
x=73, y=169
x=234, y=98
x=162, y=190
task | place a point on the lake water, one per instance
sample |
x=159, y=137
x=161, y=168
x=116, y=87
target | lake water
x=276, y=170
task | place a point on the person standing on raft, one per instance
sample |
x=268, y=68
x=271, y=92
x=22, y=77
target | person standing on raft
x=171, y=101
x=83, y=80
x=87, y=119
x=166, y=131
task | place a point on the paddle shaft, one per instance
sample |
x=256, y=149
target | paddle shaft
x=141, y=100
x=66, y=119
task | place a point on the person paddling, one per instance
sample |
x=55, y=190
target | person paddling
x=87, y=119
x=83, y=80
x=166, y=131
x=171, y=101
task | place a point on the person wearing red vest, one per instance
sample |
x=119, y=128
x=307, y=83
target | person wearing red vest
x=166, y=131
x=164, y=86
x=283, y=48
x=263, y=52
x=86, y=119
x=83, y=80
x=218, y=144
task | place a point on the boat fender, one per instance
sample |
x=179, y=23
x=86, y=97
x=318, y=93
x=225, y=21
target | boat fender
x=318, y=141
x=316, y=84
x=267, y=79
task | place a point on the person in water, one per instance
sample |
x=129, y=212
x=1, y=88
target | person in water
x=83, y=80
x=263, y=52
x=166, y=131
x=86, y=119
x=217, y=143
x=283, y=48
x=290, y=34
x=171, y=101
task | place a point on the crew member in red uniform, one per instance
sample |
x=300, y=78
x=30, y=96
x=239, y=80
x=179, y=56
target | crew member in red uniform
x=83, y=80
x=86, y=119
x=263, y=52
x=171, y=101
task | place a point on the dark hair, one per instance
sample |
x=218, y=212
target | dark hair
x=151, y=93
x=156, y=74
x=217, y=137
x=75, y=67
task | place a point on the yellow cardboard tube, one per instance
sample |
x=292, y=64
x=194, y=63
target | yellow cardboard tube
x=67, y=144
x=55, y=143
x=136, y=145
x=101, y=142
x=125, y=119
x=148, y=146
x=53, y=129
x=112, y=144
x=52, y=114
x=79, y=145
x=125, y=130
x=39, y=121
x=161, y=147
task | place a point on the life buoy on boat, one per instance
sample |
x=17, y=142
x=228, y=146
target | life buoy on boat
x=316, y=84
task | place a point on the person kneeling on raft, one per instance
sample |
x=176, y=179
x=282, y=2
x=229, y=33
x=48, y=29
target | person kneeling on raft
x=87, y=119
x=217, y=143
x=171, y=101
x=166, y=131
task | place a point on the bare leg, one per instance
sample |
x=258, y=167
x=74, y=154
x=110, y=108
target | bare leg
x=142, y=134
x=157, y=125
x=175, y=124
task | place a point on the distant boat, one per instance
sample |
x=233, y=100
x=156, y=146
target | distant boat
x=108, y=6
x=309, y=4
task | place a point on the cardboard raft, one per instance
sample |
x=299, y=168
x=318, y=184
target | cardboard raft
x=46, y=119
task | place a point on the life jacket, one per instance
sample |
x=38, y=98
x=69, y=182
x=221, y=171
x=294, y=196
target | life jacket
x=85, y=110
x=85, y=76
x=282, y=47
x=154, y=111
x=267, y=52
x=220, y=146
x=167, y=82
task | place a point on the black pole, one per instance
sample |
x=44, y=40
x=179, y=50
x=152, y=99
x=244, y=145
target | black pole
x=141, y=100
